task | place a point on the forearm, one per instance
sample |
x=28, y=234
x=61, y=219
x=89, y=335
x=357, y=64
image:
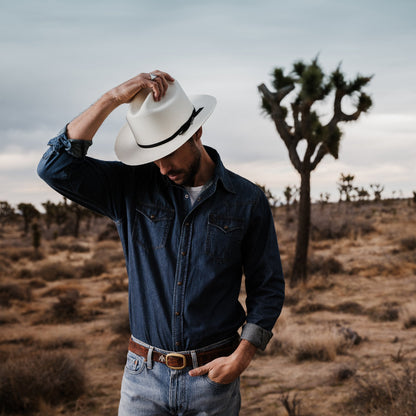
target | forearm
x=243, y=355
x=86, y=124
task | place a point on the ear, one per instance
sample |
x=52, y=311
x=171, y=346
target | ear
x=198, y=134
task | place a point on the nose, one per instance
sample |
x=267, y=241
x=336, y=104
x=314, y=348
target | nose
x=163, y=165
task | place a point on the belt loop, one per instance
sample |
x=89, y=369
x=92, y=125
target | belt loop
x=150, y=358
x=194, y=359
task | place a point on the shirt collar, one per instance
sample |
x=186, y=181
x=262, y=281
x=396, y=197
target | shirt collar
x=221, y=173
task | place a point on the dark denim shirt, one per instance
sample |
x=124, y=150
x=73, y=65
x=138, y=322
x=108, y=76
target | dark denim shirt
x=185, y=263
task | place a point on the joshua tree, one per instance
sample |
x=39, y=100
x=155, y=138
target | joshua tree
x=273, y=201
x=345, y=186
x=362, y=193
x=290, y=194
x=36, y=237
x=29, y=213
x=7, y=212
x=311, y=86
x=377, y=190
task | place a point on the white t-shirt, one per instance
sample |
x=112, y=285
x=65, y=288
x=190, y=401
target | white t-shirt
x=195, y=191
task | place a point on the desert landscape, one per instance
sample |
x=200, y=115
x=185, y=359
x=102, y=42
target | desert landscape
x=344, y=344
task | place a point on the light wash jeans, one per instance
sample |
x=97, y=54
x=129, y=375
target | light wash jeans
x=153, y=389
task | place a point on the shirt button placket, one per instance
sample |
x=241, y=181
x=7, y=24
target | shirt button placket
x=179, y=296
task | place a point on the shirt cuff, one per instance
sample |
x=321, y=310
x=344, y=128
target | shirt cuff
x=255, y=334
x=75, y=147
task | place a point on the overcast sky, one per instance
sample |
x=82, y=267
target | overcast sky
x=58, y=57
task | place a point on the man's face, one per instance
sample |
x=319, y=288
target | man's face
x=182, y=165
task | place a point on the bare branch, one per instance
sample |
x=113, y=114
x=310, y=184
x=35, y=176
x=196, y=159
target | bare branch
x=322, y=151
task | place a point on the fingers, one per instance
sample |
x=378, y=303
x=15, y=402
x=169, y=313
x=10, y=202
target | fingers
x=199, y=371
x=159, y=83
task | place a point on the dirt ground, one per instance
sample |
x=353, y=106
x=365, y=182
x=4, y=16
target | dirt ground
x=352, y=322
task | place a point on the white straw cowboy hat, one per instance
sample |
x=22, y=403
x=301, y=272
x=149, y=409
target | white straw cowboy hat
x=154, y=129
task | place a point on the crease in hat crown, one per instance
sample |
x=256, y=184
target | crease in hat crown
x=153, y=121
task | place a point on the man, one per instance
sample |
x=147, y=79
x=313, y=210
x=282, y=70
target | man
x=189, y=229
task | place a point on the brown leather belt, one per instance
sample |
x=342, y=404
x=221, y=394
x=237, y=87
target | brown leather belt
x=177, y=361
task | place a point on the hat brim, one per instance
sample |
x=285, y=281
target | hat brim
x=131, y=154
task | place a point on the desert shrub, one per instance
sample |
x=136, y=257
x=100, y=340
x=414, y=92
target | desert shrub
x=37, y=284
x=59, y=246
x=57, y=344
x=310, y=307
x=385, y=394
x=322, y=346
x=292, y=299
x=79, y=248
x=324, y=265
x=25, y=273
x=17, y=253
x=326, y=227
x=353, y=308
x=56, y=271
x=343, y=372
x=291, y=404
x=408, y=243
x=67, y=306
x=29, y=380
x=7, y=318
x=9, y=292
x=385, y=313
x=93, y=268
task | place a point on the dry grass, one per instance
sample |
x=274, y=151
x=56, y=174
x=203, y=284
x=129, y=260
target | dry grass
x=92, y=268
x=351, y=325
x=55, y=271
x=390, y=394
x=10, y=292
x=322, y=347
x=44, y=377
x=322, y=344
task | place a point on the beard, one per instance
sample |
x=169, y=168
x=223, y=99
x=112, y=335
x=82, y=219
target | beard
x=189, y=173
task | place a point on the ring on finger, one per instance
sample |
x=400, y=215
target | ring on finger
x=152, y=77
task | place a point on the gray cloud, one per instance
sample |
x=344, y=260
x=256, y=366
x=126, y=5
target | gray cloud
x=58, y=57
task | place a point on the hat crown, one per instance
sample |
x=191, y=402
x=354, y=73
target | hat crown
x=154, y=121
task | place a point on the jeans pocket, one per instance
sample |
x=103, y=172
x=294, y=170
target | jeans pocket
x=219, y=385
x=135, y=364
x=224, y=235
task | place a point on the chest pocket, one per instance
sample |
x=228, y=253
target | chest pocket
x=224, y=237
x=151, y=226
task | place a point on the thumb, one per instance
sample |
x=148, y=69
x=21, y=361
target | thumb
x=199, y=371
